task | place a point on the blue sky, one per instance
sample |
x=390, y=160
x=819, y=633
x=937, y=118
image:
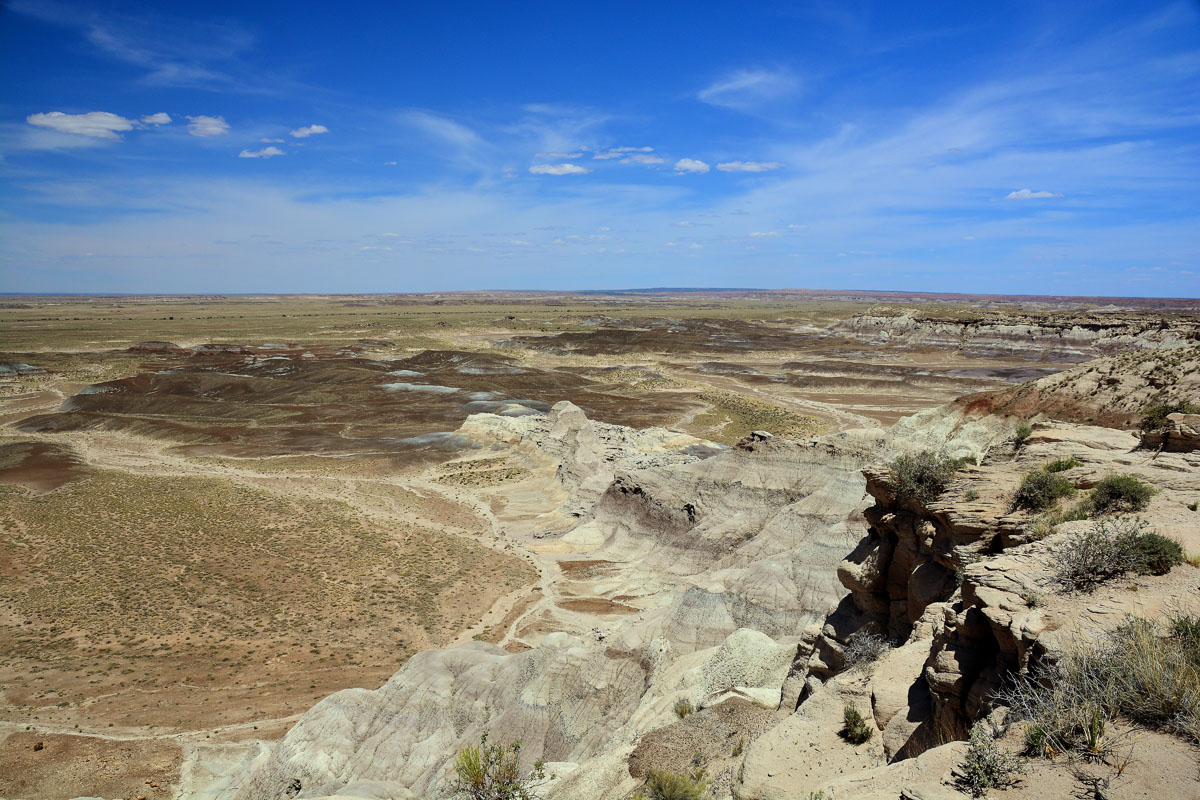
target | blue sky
x=1029, y=147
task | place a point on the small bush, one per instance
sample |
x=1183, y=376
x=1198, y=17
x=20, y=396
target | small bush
x=1154, y=416
x=1120, y=493
x=970, y=495
x=493, y=772
x=1022, y=432
x=855, y=729
x=986, y=765
x=1155, y=555
x=922, y=477
x=864, y=648
x=1089, y=557
x=1039, y=490
x=663, y=785
x=683, y=708
x=1061, y=465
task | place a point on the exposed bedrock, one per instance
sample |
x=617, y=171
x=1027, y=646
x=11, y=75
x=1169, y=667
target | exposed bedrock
x=964, y=592
x=725, y=560
x=1069, y=336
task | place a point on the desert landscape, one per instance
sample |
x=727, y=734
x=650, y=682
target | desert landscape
x=277, y=546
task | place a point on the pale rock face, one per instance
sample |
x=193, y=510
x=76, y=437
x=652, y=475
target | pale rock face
x=733, y=567
x=726, y=555
x=1064, y=336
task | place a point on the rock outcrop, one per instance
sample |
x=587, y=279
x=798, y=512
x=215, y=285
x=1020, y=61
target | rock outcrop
x=1061, y=336
x=1181, y=435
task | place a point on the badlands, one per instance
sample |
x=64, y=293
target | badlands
x=298, y=547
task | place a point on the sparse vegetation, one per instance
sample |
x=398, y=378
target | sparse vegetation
x=1040, y=490
x=663, y=785
x=493, y=772
x=986, y=764
x=683, y=708
x=1111, y=547
x=864, y=648
x=1154, y=416
x=1061, y=465
x=1120, y=493
x=922, y=477
x=970, y=495
x=855, y=728
x=1022, y=432
x=1133, y=671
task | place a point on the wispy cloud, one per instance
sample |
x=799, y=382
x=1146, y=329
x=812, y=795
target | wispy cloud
x=644, y=159
x=558, y=169
x=1026, y=194
x=749, y=166
x=558, y=155
x=207, y=127
x=690, y=165
x=266, y=152
x=620, y=152
x=304, y=133
x=96, y=124
x=750, y=89
x=173, y=51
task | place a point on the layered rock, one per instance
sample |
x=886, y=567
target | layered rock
x=1061, y=336
x=1181, y=435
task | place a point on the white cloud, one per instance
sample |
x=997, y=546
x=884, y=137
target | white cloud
x=558, y=169
x=266, y=152
x=621, y=152
x=747, y=89
x=694, y=246
x=1026, y=194
x=764, y=234
x=558, y=155
x=749, y=166
x=207, y=127
x=642, y=158
x=271, y=141
x=690, y=165
x=161, y=118
x=390, y=163
x=97, y=124
x=304, y=133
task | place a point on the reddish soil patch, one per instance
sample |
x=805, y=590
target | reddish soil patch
x=40, y=466
x=596, y=605
x=582, y=570
x=58, y=766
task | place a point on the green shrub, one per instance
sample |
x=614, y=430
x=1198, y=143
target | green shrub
x=1110, y=548
x=1120, y=493
x=683, y=708
x=1022, y=432
x=1155, y=554
x=1154, y=416
x=663, y=785
x=970, y=495
x=986, y=765
x=922, y=477
x=493, y=772
x=1039, y=490
x=1061, y=465
x=855, y=729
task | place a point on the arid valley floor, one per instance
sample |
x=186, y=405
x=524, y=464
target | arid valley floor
x=217, y=512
